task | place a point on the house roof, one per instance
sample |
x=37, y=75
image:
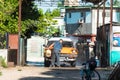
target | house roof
x=89, y=7
x=84, y=35
x=113, y=23
x=93, y=1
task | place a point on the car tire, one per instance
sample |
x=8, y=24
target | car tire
x=46, y=62
x=73, y=64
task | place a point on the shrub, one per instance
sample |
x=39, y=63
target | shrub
x=2, y=62
x=0, y=73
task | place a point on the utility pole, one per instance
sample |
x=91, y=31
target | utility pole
x=111, y=24
x=103, y=13
x=111, y=16
x=19, y=30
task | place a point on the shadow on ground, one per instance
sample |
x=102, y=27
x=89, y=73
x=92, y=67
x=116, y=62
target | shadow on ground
x=64, y=74
x=57, y=74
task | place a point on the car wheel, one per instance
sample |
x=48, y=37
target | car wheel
x=73, y=63
x=46, y=62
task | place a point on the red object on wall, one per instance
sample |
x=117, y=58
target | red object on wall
x=13, y=41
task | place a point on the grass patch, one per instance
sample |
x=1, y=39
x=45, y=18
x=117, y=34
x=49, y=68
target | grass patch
x=0, y=73
x=19, y=69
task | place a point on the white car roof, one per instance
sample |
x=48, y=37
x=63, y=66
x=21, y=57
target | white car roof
x=58, y=38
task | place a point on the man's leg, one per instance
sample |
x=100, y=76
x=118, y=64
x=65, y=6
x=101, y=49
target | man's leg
x=87, y=55
x=53, y=59
x=57, y=54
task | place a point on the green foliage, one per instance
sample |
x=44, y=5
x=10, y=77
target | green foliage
x=56, y=12
x=61, y=3
x=8, y=22
x=28, y=27
x=0, y=73
x=116, y=3
x=8, y=19
x=2, y=42
x=33, y=20
x=29, y=10
x=2, y=62
x=19, y=69
x=45, y=22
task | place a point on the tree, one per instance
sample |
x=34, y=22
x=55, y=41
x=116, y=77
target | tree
x=30, y=16
x=29, y=10
x=8, y=19
x=116, y=3
x=56, y=12
x=8, y=22
x=33, y=20
x=46, y=21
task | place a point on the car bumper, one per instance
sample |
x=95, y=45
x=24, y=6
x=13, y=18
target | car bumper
x=68, y=57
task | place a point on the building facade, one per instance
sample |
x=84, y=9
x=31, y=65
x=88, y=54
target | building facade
x=60, y=25
x=71, y=2
x=82, y=21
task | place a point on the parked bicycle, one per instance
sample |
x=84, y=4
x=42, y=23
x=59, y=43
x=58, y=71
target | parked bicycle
x=88, y=71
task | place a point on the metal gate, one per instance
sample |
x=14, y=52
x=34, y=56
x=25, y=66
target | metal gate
x=35, y=51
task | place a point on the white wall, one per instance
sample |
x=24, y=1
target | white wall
x=60, y=21
x=60, y=24
x=35, y=49
x=107, y=19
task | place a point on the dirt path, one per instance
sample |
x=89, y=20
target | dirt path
x=41, y=73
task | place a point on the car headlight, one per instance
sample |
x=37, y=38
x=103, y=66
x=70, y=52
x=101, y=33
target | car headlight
x=74, y=51
x=48, y=53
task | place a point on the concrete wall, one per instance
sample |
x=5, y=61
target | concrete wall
x=77, y=15
x=116, y=17
x=79, y=29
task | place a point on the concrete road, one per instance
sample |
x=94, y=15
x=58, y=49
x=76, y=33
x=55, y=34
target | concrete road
x=41, y=73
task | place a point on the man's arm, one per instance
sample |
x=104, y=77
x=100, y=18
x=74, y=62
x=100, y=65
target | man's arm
x=51, y=46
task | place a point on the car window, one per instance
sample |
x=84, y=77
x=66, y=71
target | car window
x=50, y=42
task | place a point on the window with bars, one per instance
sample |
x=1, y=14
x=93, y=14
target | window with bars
x=82, y=14
x=69, y=15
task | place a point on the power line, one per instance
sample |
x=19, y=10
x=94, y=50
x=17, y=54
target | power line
x=54, y=3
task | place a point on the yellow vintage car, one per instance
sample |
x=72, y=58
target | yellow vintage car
x=68, y=53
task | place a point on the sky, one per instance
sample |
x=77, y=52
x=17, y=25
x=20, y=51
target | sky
x=46, y=4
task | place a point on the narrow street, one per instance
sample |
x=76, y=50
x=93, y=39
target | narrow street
x=41, y=73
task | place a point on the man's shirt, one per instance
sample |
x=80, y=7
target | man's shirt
x=57, y=45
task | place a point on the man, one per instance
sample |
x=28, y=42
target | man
x=86, y=48
x=57, y=46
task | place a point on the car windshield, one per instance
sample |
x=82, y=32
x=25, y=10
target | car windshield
x=50, y=42
x=65, y=43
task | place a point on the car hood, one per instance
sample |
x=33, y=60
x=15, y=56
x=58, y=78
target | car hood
x=68, y=50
